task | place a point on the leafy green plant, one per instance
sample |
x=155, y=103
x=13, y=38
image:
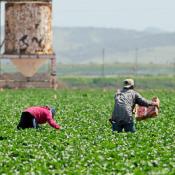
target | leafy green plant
x=86, y=144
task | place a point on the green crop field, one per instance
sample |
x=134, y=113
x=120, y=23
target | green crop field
x=86, y=144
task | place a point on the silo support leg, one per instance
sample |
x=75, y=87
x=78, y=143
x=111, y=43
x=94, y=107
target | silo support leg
x=53, y=77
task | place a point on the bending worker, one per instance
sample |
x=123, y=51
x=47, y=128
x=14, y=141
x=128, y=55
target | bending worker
x=125, y=101
x=33, y=116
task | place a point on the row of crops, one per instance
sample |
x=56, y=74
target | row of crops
x=86, y=144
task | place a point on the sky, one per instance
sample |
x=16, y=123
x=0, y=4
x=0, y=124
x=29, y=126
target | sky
x=128, y=14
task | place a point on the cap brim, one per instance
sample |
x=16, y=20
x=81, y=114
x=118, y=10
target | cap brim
x=127, y=86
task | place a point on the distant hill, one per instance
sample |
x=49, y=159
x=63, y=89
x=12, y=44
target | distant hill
x=84, y=45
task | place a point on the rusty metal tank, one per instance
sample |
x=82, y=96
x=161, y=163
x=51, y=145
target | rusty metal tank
x=28, y=27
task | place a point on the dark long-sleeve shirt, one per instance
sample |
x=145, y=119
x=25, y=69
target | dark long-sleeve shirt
x=125, y=101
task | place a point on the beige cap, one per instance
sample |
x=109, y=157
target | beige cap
x=128, y=83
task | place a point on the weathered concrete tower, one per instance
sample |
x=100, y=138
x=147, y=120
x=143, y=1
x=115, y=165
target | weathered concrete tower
x=28, y=37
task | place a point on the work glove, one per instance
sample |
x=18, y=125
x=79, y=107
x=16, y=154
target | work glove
x=154, y=103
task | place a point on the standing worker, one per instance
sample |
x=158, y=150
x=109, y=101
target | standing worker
x=33, y=116
x=125, y=101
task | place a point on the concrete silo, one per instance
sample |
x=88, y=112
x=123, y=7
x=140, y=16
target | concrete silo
x=28, y=36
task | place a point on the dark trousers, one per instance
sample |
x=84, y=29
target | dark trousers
x=27, y=121
x=119, y=126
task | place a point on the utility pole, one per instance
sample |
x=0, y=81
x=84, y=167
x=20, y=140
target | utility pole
x=103, y=62
x=174, y=67
x=0, y=39
x=136, y=61
x=0, y=26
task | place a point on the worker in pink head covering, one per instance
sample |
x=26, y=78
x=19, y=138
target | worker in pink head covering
x=33, y=116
